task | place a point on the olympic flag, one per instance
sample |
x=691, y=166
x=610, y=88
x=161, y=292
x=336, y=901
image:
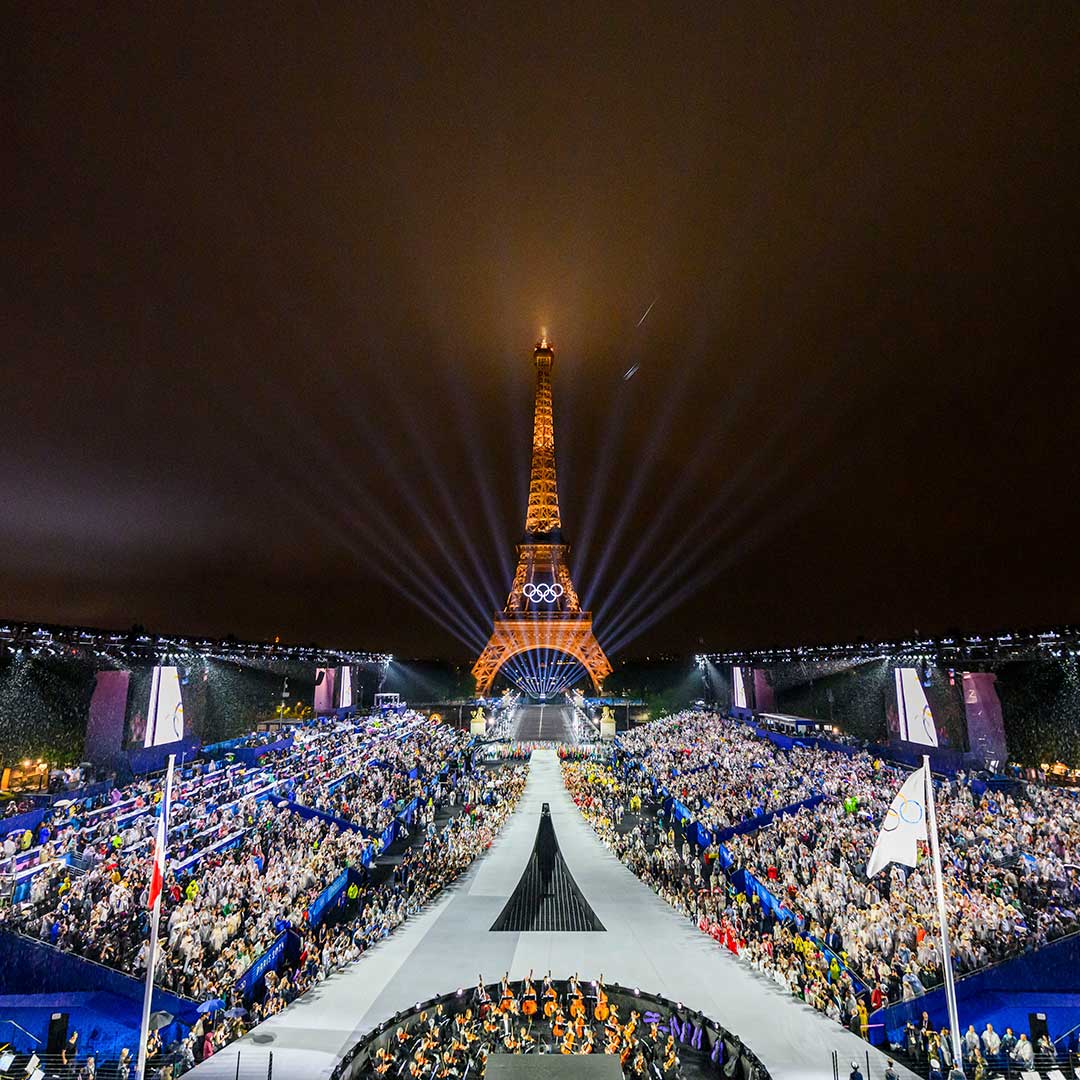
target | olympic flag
x=913, y=817
x=904, y=824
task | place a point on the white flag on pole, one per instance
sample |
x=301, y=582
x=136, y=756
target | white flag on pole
x=905, y=822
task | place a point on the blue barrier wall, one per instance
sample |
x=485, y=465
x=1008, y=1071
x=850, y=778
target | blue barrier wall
x=321, y=902
x=250, y=755
x=310, y=812
x=333, y=895
x=1052, y=970
x=707, y=836
x=146, y=759
x=286, y=947
x=21, y=822
x=26, y=963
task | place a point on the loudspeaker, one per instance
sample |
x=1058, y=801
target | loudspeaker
x=58, y=1033
x=1037, y=1026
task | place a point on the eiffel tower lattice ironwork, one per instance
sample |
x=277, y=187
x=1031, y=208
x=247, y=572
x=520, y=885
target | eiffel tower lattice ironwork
x=543, y=613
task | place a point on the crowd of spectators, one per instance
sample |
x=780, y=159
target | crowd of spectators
x=376, y=910
x=245, y=863
x=1010, y=856
x=1010, y=860
x=723, y=773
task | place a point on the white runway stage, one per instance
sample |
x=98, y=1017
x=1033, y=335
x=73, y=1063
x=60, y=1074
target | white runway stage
x=449, y=946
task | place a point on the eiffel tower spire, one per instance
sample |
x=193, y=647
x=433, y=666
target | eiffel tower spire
x=542, y=515
x=543, y=612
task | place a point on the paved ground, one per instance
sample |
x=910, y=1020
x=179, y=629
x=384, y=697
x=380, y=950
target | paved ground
x=543, y=722
x=449, y=945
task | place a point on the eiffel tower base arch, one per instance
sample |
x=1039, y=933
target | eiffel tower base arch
x=511, y=636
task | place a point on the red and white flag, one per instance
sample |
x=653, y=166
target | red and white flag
x=157, y=878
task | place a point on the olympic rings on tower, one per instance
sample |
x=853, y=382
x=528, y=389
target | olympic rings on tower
x=544, y=592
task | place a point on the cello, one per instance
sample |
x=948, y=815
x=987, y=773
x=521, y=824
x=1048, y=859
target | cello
x=558, y=1025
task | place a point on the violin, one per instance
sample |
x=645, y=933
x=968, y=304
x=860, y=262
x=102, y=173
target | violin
x=671, y=1061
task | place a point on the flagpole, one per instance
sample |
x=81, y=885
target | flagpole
x=155, y=918
x=943, y=919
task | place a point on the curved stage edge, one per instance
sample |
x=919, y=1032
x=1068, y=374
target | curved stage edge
x=696, y=1035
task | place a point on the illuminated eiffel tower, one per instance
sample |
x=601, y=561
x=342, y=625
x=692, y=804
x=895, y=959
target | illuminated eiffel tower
x=542, y=613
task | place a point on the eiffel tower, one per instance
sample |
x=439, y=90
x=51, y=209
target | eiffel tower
x=542, y=613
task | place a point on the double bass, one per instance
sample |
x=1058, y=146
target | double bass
x=507, y=1001
x=551, y=998
x=601, y=1010
x=671, y=1059
x=577, y=999
x=528, y=999
x=483, y=1000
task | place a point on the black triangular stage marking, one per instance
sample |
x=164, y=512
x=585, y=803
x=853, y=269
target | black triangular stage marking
x=547, y=897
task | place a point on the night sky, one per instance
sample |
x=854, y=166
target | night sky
x=272, y=282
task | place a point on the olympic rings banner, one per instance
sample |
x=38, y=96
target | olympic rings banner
x=542, y=592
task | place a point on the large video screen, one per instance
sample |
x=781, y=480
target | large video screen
x=155, y=711
x=738, y=687
x=915, y=716
x=324, y=689
x=345, y=687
